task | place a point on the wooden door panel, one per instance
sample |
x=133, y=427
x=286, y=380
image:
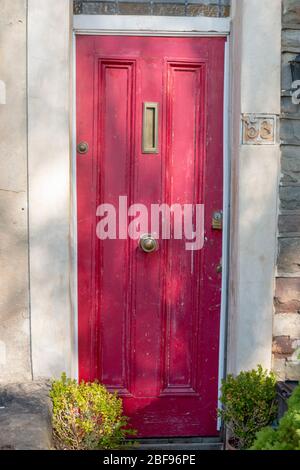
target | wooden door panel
x=186, y=91
x=149, y=324
x=115, y=128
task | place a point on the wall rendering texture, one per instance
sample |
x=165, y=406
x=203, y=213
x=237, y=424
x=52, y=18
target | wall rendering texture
x=14, y=285
x=254, y=183
x=49, y=164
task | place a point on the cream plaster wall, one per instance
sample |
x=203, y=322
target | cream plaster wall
x=49, y=156
x=256, y=68
x=14, y=287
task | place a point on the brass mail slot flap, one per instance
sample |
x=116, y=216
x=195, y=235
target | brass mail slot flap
x=150, y=128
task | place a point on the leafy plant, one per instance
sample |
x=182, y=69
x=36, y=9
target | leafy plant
x=86, y=416
x=249, y=404
x=287, y=435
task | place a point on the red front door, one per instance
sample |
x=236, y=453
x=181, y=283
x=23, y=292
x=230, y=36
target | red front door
x=151, y=111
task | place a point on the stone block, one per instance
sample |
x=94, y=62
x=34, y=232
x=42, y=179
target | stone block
x=168, y=9
x=290, y=131
x=292, y=370
x=194, y=9
x=290, y=165
x=202, y=10
x=291, y=11
x=287, y=298
x=283, y=346
x=289, y=256
x=98, y=8
x=288, y=107
x=291, y=38
x=159, y=1
x=290, y=151
x=25, y=416
x=286, y=76
x=132, y=8
x=289, y=198
x=287, y=324
x=278, y=366
x=289, y=224
x=296, y=354
x=290, y=169
x=77, y=7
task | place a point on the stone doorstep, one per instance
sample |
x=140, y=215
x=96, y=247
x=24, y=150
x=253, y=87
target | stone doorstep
x=25, y=416
x=179, y=444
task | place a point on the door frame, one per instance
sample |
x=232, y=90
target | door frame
x=123, y=25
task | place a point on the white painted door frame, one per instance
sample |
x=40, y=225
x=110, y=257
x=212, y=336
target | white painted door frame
x=255, y=69
x=161, y=26
x=126, y=25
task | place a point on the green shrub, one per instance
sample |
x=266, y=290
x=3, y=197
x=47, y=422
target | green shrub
x=287, y=435
x=249, y=404
x=86, y=416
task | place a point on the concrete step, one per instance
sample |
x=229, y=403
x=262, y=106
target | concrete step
x=181, y=444
x=25, y=417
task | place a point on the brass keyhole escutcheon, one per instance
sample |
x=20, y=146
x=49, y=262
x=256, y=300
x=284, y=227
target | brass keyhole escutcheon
x=217, y=220
x=82, y=148
x=148, y=243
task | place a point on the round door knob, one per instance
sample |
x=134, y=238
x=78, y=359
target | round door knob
x=148, y=243
x=83, y=147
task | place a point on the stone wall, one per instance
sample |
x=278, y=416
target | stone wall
x=216, y=8
x=36, y=318
x=286, y=345
x=14, y=283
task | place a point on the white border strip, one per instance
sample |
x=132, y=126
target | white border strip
x=150, y=25
x=226, y=223
x=74, y=244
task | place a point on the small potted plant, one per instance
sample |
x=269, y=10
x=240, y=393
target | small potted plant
x=87, y=417
x=248, y=404
x=287, y=435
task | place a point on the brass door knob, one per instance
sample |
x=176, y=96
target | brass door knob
x=148, y=243
x=83, y=147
